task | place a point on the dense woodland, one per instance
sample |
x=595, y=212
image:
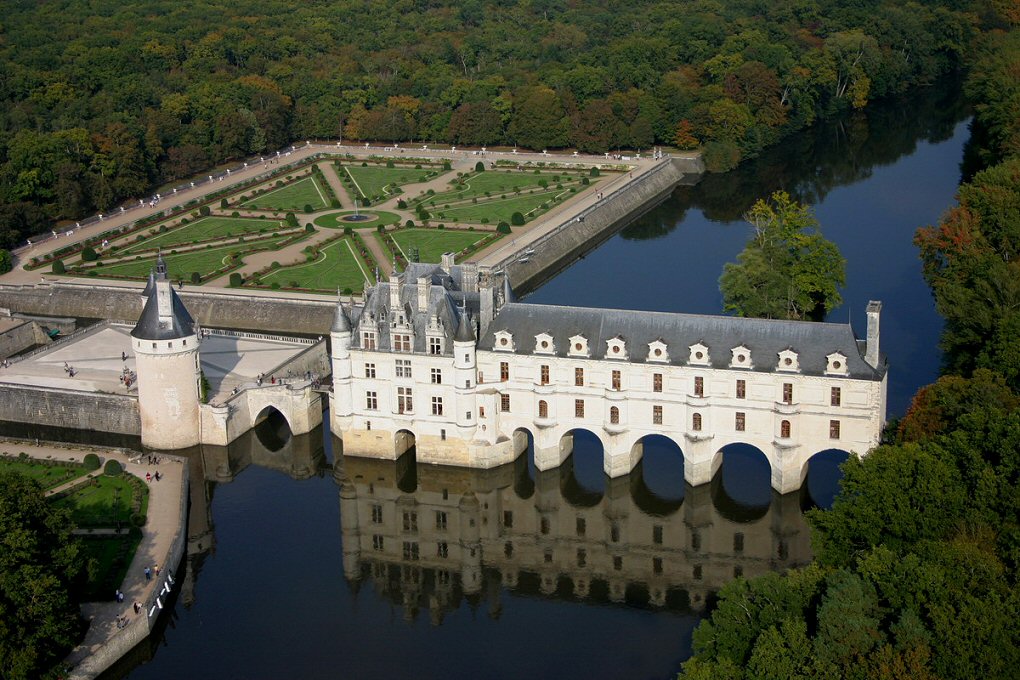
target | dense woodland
x=105, y=100
x=916, y=564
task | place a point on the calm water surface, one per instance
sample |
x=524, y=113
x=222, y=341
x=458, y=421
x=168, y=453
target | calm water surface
x=300, y=565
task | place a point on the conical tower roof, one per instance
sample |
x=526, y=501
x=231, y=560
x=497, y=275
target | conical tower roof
x=465, y=329
x=341, y=322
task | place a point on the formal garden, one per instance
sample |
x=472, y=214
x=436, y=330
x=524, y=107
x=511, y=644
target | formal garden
x=107, y=506
x=378, y=180
x=343, y=264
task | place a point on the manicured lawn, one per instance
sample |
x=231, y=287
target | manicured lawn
x=375, y=182
x=106, y=501
x=113, y=555
x=294, y=196
x=497, y=182
x=336, y=267
x=499, y=209
x=46, y=474
x=181, y=265
x=202, y=229
x=432, y=243
x=333, y=221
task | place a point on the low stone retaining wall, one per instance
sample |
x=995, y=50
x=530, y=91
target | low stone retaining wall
x=76, y=410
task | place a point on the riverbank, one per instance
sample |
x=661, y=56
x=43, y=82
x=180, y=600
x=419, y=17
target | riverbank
x=162, y=544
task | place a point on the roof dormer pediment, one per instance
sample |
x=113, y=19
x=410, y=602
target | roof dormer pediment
x=741, y=357
x=504, y=341
x=699, y=355
x=658, y=351
x=544, y=344
x=616, y=348
x=578, y=346
x=835, y=364
x=788, y=361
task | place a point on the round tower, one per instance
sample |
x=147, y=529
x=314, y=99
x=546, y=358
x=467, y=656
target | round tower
x=464, y=365
x=165, y=342
x=340, y=341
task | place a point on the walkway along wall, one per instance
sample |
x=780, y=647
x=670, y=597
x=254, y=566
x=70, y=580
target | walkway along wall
x=583, y=232
x=76, y=410
x=210, y=308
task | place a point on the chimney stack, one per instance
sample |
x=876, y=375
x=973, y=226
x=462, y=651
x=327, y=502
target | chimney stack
x=871, y=354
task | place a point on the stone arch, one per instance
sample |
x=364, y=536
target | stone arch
x=407, y=462
x=579, y=445
x=272, y=428
x=523, y=441
x=657, y=481
x=744, y=475
x=821, y=475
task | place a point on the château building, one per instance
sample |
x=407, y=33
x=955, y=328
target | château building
x=443, y=358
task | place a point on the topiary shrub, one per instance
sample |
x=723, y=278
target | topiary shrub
x=204, y=211
x=58, y=267
x=389, y=164
x=291, y=219
x=409, y=224
x=138, y=519
x=401, y=204
x=89, y=254
x=479, y=167
x=503, y=228
x=112, y=468
x=350, y=230
x=307, y=208
x=196, y=278
x=309, y=228
x=91, y=461
x=517, y=219
x=594, y=172
x=223, y=204
x=236, y=279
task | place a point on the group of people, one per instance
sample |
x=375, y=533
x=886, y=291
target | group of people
x=69, y=370
x=149, y=476
x=5, y=364
x=128, y=378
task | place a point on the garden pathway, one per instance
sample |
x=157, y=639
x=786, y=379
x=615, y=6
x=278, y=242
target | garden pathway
x=162, y=525
x=329, y=172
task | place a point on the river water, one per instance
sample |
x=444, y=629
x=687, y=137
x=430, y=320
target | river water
x=304, y=565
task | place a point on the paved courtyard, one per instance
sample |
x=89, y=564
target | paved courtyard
x=228, y=361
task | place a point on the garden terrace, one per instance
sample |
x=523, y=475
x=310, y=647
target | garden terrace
x=378, y=182
x=307, y=191
x=337, y=265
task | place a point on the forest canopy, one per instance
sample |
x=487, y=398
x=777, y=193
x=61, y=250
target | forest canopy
x=103, y=101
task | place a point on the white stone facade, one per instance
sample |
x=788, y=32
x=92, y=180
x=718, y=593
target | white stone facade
x=791, y=389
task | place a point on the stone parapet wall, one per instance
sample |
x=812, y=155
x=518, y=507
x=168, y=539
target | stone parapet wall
x=77, y=410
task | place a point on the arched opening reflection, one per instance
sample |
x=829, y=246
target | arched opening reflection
x=823, y=477
x=661, y=468
x=524, y=464
x=407, y=461
x=742, y=489
x=272, y=429
x=582, y=474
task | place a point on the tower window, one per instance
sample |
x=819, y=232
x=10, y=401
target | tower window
x=579, y=377
x=833, y=429
x=543, y=375
x=784, y=429
x=835, y=396
x=787, y=393
x=741, y=389
x=696, y=422
x=699, y=386
x=616, y=380
x=739, y=422
x=504, y=403
x=656, y=415
x=543, y=409
x=579, y=408
x=657, y=382
x=504, y=371
x=614, y=415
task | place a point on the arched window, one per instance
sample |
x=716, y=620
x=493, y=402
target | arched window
x=543, y=409
x=614, y=415
x=696, y=422
x=784, y=429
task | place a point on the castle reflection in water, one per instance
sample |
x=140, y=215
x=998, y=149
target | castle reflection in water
x=430, y=538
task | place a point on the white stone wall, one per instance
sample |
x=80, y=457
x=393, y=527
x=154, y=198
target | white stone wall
x=168, y=399
x=488, y=439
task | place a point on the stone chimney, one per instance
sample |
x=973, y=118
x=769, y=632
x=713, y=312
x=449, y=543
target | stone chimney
x=486, y=301
x=447, y=260
x=871, y=354
x=394, y=289
x=469, y=277
x=424, y=292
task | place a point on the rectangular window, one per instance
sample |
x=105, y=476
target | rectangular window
x=404, y=402
x=481, y=411
x=579, y=408
x=657, y=565
x=696, y=422
x=504, y=403
x=657, y=534
x=738, y=542
x=787, y=393
x=833, y=429
x=614, y=533
x=481, y=377
x=411, y=522
x=371, y=401
x=616, y=380
x=442, y=549
x=543, y=525
x=835, y=396
x=699, y=387
x=582, y=526
x=376, y=514
x=543, y=409
x=582, y=557
x=437, y=406
x=401, y=342
x=508, y=519
x=657, y=415
x=369, y=370
x=440, y=520
x=695, y=541
x=543, y=375
x=617, y=563
x=657, y=382
x=437, y=376
x=403, y=368
x=435, y=345
x=741, y=389
x=467, y=415
x=368, y=340
x=377, y=542
x=579, y=377
x=410, y=550
x=740, y=422
x=504, y=371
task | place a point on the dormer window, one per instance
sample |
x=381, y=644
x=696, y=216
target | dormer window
x=699, y=354
x=544, y=344
x=835, y=364
x=368, y=339
x=578, y=346
x=657, y=352
x=504, y=341
x=788, y=361
x=616, y=348
x=741, y=357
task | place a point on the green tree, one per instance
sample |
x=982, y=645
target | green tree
x=42, y=571
x=788, y=270
x=6, y=261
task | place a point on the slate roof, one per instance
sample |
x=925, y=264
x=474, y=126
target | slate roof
x=765, y=338
x=149, y=327
x=341, y=322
